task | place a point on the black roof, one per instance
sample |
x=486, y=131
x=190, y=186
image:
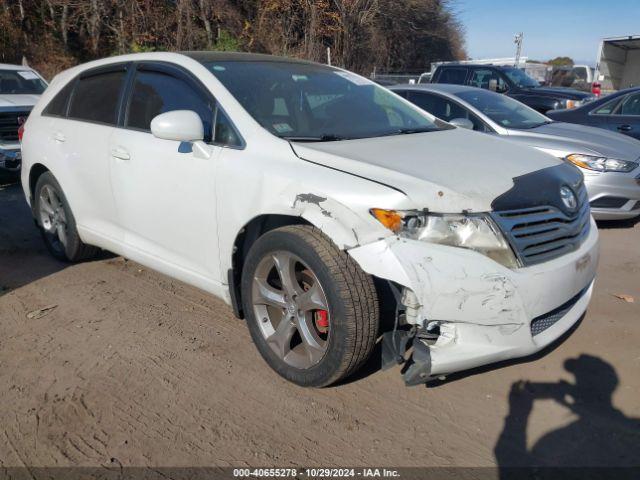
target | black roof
x=208, y=56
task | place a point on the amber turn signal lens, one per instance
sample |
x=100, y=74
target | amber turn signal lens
x=389, y=218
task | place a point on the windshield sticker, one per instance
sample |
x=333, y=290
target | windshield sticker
x=28, y=75
x=299, y=78
x=219, y=68
x=355, y=79
x=282, y=127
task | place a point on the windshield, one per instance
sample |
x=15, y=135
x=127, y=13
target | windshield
x=14, y=82
x=503, y=110
x=520, y=78
x=308, y=102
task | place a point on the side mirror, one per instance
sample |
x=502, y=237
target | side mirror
x=462, y=123
x=178, y=125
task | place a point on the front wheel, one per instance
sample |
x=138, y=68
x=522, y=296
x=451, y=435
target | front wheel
x=311, y=311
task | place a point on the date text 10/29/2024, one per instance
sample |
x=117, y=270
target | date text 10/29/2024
x=315, y=473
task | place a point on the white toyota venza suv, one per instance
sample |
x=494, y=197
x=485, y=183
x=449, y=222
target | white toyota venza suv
x=328, y=211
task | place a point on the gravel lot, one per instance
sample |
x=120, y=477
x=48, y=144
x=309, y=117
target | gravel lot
x=133, y=368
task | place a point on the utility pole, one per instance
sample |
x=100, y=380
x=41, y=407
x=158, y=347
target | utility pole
x=517, y=39
x=328, y=55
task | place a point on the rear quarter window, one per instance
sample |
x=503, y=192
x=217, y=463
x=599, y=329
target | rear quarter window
x=58, y=106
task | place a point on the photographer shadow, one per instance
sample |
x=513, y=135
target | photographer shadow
x=601, y=436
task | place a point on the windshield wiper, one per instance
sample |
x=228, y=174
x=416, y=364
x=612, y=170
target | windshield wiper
x=409, y=131
x=329, y=137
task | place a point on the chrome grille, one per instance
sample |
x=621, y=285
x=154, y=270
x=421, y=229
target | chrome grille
x=9, y=125
x=538, y=234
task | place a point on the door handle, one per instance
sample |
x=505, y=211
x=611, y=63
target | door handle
x=59, y=137
x=624, y=128
x=120, y=153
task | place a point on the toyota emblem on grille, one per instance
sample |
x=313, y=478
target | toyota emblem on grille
x=568, y=198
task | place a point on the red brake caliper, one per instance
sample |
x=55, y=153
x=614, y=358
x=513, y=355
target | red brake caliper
x=322, y=319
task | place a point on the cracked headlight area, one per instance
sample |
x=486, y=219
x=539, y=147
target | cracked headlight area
x=471, y=231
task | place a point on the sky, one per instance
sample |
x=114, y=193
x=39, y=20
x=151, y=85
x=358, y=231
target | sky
x=551, y=28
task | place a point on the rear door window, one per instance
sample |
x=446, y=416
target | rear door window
x=96, y=97
x=445, y=109
x=454, y=75
x=156, y=92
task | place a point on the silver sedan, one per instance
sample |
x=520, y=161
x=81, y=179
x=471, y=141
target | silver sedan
x=609, y=161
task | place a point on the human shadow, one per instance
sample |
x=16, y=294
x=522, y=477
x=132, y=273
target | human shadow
x=600, y=439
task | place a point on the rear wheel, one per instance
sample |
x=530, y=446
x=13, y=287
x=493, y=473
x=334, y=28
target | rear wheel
x=56, y=222
x=312, y=312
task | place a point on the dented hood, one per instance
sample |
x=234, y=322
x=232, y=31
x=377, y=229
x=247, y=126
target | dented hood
x=444, y=171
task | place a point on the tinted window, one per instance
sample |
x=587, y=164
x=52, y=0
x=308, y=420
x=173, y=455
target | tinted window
x=631, y=105
x=482, y=78
x=96, y=98
x=58, y=106
x=453, y=75
x=224, y=131
x=155, y=93
x=503, y=110
x=607, y=108
x=310, y=102
x=445, y=109
x=20, y=82
x=520, y=78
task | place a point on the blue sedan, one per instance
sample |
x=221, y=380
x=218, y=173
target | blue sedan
x=619, y=112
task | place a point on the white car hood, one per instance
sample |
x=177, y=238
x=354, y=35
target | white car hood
x=18, y=100
x=445, y=171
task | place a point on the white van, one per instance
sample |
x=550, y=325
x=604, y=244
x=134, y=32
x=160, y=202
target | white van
x=315, y=202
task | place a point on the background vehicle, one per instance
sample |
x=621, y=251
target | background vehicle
x=512, y=82
x=618, y=64
x=579, y=77
x=618, y=112
x=609, y=161
x=306, y=196
x=20, y=88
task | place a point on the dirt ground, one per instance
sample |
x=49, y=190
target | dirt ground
x=134, y=368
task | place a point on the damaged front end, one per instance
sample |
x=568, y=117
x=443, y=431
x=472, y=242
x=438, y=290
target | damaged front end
x=458, y=309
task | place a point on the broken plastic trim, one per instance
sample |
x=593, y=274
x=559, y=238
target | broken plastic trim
x=396, y=343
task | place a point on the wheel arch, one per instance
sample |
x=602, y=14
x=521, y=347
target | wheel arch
x=36, y=171
x=245, y=238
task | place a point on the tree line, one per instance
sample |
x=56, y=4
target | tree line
x=362, y=35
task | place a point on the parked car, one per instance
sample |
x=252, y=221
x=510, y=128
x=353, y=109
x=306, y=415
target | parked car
x=302, y=194
x=513, y=82
x=619, y=112
x=20, y=88
x=609, y=161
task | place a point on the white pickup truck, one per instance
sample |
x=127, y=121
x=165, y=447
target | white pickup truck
x=20, y=89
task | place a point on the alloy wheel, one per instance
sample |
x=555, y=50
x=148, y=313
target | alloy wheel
x=291, y=309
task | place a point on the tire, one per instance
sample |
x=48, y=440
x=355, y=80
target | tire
x=323, y=348
x=57, y=223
